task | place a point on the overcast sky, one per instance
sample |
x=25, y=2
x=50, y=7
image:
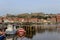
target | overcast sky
x=23, y=6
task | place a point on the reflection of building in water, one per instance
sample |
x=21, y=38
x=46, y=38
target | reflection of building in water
x=30, y=31
x=39, y=30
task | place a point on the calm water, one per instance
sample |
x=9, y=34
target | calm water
x=41, y=34
x=47, y=35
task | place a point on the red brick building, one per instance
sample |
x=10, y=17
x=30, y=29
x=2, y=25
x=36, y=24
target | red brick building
x=20, y=19
x=34, y=20
x=52, y=20
x=58, y=18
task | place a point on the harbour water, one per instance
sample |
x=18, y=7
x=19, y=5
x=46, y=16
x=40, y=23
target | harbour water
x=40, y=34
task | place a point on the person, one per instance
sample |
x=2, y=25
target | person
x=20, y=34
x=2, y=35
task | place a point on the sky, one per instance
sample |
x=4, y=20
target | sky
x=28, y=6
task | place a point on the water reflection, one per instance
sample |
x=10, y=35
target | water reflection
x=42, y=34
x=36, y=33
x=30, y=31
